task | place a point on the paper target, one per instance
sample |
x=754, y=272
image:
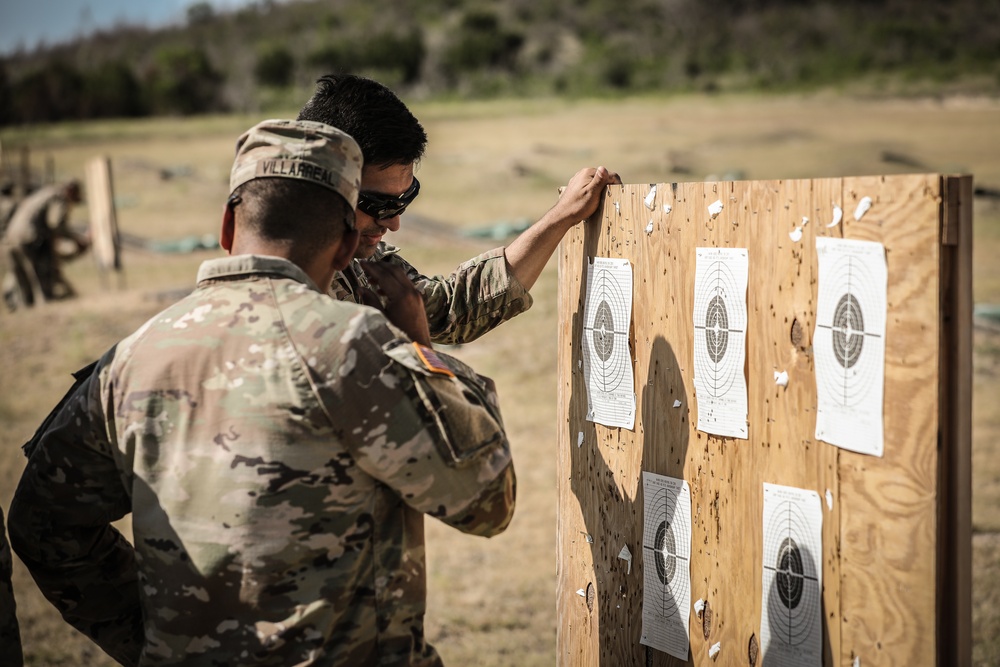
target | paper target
x=791, y=623
x=609, y=330
x=720, y=372
x=720, y=320
x=667, y=549
x=855, y=370
x=849, y=342
x=607, y=358
x=666, y=553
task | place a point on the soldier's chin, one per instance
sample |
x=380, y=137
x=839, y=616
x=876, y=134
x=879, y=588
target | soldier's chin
x=365, y=251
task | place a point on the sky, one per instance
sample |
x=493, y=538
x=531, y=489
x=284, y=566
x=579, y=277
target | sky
x=23, y=23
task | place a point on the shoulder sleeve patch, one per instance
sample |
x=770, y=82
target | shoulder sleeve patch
x=431, y=360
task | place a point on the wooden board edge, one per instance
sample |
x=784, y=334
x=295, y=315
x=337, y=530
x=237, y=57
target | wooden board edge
x=955, y=425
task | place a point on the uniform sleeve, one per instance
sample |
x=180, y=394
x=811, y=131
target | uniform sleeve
x=10, y=636
x=60, y=526
x=57, y=215
x=478, y=296
x=430, y=428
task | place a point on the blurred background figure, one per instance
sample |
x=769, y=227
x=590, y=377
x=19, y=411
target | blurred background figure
x=36, y=241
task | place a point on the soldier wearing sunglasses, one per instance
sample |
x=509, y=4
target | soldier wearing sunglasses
x=482, y=292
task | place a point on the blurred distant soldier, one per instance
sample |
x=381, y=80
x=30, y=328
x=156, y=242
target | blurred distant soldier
x=37, y=240
x=484, y=291
x=277, y=448
x=7, y=203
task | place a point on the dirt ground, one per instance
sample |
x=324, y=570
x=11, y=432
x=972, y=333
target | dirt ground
x=492, y=602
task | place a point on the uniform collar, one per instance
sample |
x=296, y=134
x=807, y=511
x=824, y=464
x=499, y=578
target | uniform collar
x=240, y=266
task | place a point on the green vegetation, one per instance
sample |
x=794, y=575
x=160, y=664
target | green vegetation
x=268, y=52
x=183, y=80
x=275, y=66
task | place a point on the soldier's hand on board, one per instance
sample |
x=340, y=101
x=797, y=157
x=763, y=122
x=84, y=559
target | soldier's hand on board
x=399, y=299
x=581, y=196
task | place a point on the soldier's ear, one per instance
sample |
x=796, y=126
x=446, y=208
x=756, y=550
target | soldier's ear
x=228, y=228
x=345, y=251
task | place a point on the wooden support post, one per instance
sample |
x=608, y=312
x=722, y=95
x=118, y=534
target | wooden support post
x=105, y=240
x=955, y=424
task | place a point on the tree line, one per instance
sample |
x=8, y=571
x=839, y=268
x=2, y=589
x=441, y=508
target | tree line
x=266, y=53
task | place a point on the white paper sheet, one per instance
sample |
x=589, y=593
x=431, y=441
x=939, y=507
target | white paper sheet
x=720, y=322
x=666, y=562
x=849, y=344
x=607, y=360
x=791, y=624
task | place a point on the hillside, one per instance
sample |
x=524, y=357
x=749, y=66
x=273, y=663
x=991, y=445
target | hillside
x=259, y=57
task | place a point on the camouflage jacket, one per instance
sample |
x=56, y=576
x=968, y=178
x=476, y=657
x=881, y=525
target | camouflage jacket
x=10, y=636
x=277, y=450
x=42, y=216
x=478, y=296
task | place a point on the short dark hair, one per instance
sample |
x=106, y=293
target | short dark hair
x=307, y=218
x=71, y=188
x=371, y=113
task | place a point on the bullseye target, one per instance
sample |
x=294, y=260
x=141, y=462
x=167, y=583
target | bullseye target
x=850, y=324
x=849, y=343
x=848, y=330
x=720, y=322
x=606, y=355
x=666, y=548
x=717, y=329
x=792, y=574
x=603, y=332
x=607, y=331
x=666, y=553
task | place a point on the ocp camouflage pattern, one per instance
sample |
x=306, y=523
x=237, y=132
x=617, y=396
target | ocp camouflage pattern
x=277, y=450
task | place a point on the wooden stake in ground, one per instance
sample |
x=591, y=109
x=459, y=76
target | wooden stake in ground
x=105, y=239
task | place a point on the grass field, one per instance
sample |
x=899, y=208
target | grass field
x=492, y=602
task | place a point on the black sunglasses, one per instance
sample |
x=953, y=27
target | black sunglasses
x=382, y=207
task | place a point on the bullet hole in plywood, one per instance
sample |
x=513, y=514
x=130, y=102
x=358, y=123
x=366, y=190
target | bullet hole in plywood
x=590, y=597
x=796, y=333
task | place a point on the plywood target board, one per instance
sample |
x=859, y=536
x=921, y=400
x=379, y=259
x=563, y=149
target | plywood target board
x=729, y=299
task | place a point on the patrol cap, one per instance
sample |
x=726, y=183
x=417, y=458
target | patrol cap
x=301, y=149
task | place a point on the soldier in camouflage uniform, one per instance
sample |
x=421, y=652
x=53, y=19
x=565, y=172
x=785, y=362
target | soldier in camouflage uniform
x=277, y=448
x=37, y=241
x=482, y=292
